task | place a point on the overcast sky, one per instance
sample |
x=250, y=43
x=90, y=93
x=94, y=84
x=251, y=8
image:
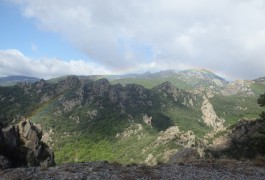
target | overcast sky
x=48, y=38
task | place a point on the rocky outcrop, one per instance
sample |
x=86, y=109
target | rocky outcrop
x=103, y=94
x=209, y=116
x=184, y=139
x=52, y=90
x=245, y=140
x=242, y=87
x=147, y=120
x=69, y=82
x=134, y=129
x=168, y=90
x=21, y=145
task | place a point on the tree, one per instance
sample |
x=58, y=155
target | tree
x=261, y=102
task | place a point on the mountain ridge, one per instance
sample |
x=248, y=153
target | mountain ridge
x=12, y=80
x=86, y=119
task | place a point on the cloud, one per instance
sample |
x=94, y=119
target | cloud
x=13, y=62
x=223, y=35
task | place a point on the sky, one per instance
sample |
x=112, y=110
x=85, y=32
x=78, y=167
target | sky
x=47, y=38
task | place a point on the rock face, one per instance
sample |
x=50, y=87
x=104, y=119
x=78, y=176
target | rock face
x=209, y=116
x=125, y=98
x=238, y=87
x=21, y=146
x=181, y=96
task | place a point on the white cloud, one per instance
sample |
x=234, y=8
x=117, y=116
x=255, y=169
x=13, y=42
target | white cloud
x=120, y=34
x=13, y=62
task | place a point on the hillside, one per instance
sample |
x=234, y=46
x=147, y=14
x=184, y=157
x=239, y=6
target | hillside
x=85, y=119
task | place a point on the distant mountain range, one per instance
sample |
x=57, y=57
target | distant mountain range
x=144, y=118
x=13, y=80
x=155, y=78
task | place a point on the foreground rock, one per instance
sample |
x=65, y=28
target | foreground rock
x=21, y=146
x=244, y=140
x=103, y=170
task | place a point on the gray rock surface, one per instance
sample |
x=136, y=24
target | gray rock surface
x=102, y=170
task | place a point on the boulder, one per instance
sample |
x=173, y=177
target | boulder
x=245, y=140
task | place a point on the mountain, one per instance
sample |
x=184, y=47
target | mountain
x=260, y=80
x=188, y=79
x=144, y=120
x=13, y=80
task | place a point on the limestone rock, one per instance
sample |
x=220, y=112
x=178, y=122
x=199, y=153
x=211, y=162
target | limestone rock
x=242, y=87
x=210, y=117
x=147, y=120
x=180, y=96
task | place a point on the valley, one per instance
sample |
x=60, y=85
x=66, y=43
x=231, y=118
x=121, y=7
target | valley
x=143, y=119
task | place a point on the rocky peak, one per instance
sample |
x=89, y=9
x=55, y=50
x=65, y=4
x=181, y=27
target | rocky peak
x=70, y=81
x=117, y=93
x=167, y=89
x=202, y=77
x=103, y=94
x=137, y=89
x=165, y=86
x=40, y=84
x=24, y=84
x=201, y=74
x=101, y=86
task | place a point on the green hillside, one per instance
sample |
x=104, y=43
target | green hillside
x=146, y=122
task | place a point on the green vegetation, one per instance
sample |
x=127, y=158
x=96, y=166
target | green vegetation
x=232, y=108
x=93, y=120
x=15, y=102
x=187, y=119
x=150, y=83
x=261, y=102
x=57, y=80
